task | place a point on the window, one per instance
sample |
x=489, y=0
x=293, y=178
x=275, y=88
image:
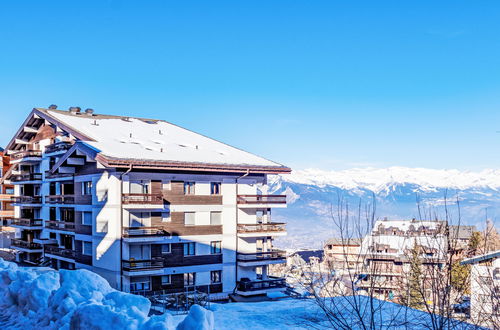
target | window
x=215, y=188
x=165, y=248
x=215, y=247
x=139, y=187
x=87, y=218
x=67, y=214
x=140, y=219
x=87, y=188
x=87, y=248
x=215, y=276
x=165, y=280
x=189, y=219
x=189, y=188
x=189, y=249
x=258, y=272
x=52, y=214
x=189, y=279
x=216, y=218
x=165, y=217
x=140, y=284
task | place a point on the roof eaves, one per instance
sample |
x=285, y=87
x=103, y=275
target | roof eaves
x=479, y=258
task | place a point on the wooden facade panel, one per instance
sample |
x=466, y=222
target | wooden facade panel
x=177, y=199
x=177, y=187
x=176, y=226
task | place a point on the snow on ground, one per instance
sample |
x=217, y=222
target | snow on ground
x=41, y=298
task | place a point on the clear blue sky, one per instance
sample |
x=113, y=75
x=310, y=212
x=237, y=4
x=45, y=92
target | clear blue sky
x=324, y=84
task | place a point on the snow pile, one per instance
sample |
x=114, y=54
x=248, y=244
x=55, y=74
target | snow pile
x=40, y=298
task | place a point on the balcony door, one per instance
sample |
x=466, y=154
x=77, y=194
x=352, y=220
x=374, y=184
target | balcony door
x=140, y=187
x=140, y=252
x=140, y=219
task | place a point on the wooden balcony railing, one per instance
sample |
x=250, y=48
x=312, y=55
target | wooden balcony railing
x=60, y=199
x=261, y=199
x=25, y=245
x=144, y=231
x=154, y=199
x=26, y=199
x=26, y=177
x=27, y=153
x=59, y=146
x=137, y=265
x=276, y=227
x=25, y=222
x=58, y=251
x=60, y=225
x=262, y=256
x=271, y=283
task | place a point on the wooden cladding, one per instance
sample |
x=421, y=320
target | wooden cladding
x=176, y=199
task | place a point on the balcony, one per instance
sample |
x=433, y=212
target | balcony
x=60, y=199
x=60, y=252
x=258, y=201
x=60, y=225
x=6, y=197
x=49, y=175
x=26, y=222
x=173, y=260
x=148, y=199
x=249, y=288
x=144, y=231
x=25, y=245
x=26, y=199
x=58, y=147
x=26, y=177
x=140, y=265
x=261, y=258
x=27, y=155
x=259, y=229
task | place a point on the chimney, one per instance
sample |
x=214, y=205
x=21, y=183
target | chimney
x=89, y=111
x=52, y=106
x=75, y=110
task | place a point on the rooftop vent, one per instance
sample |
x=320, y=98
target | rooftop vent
x=75, y=109
x=53, y=106
x=89, y=111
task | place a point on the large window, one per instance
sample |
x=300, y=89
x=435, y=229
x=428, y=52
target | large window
x=216, y=218
x=86, y=248
x=215, y=188
x=140, y=284
x=139, y=187
x=189, y=279
x=87, y=218
x=215, y=247
x=189, y=249
x=189, y=218
x=87, y=188
x=215, y=276
x=189, y=188
x=140, y=219
x=165, y=248
x=165, y=280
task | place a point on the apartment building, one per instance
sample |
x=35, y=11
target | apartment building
x=148, y=205
x=485, y=289
x=343, y=254
x=6, y=192
x=387, y=250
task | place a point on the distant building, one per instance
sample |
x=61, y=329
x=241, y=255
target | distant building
x=343, y=254
x=387, y=249
x=459, y=238
x=6, y=192
x=148, y=205
x=485, y=289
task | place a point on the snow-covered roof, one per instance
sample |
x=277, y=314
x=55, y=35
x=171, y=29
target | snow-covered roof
x=151, y=140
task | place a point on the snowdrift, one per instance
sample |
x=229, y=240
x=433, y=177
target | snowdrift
x=41, y=298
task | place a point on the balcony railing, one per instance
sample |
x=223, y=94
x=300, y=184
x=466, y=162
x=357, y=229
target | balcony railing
x=59, y=146
x=26, y=199
x=262, y=256
x=58, y=251
x=27, y=153
x=60, y=199
x=26, y=177
x=25, y=245
x=154, y=199
x=49, y=175
x=26, y=222
x=144, y=231
x=261, y=199
x=60, y=225
x=137, y=265
x=261, y=227
x=271, y=283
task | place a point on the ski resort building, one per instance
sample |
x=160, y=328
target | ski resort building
x=148, y=205
x=6, y=192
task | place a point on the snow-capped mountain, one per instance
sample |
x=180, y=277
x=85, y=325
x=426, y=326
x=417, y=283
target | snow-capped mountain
x=313, y=195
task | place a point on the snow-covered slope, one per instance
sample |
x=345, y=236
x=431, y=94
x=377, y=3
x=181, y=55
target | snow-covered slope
x=313, y=194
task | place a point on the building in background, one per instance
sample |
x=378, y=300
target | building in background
x=485, y=289
x=6, y=207
x=148, y=205
x=343, y=254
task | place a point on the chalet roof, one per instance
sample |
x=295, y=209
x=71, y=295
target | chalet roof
x=122, y=141
x=482, y=257
x=344, y=241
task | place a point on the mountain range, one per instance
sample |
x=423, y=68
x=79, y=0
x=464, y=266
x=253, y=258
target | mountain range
x=313, y=197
